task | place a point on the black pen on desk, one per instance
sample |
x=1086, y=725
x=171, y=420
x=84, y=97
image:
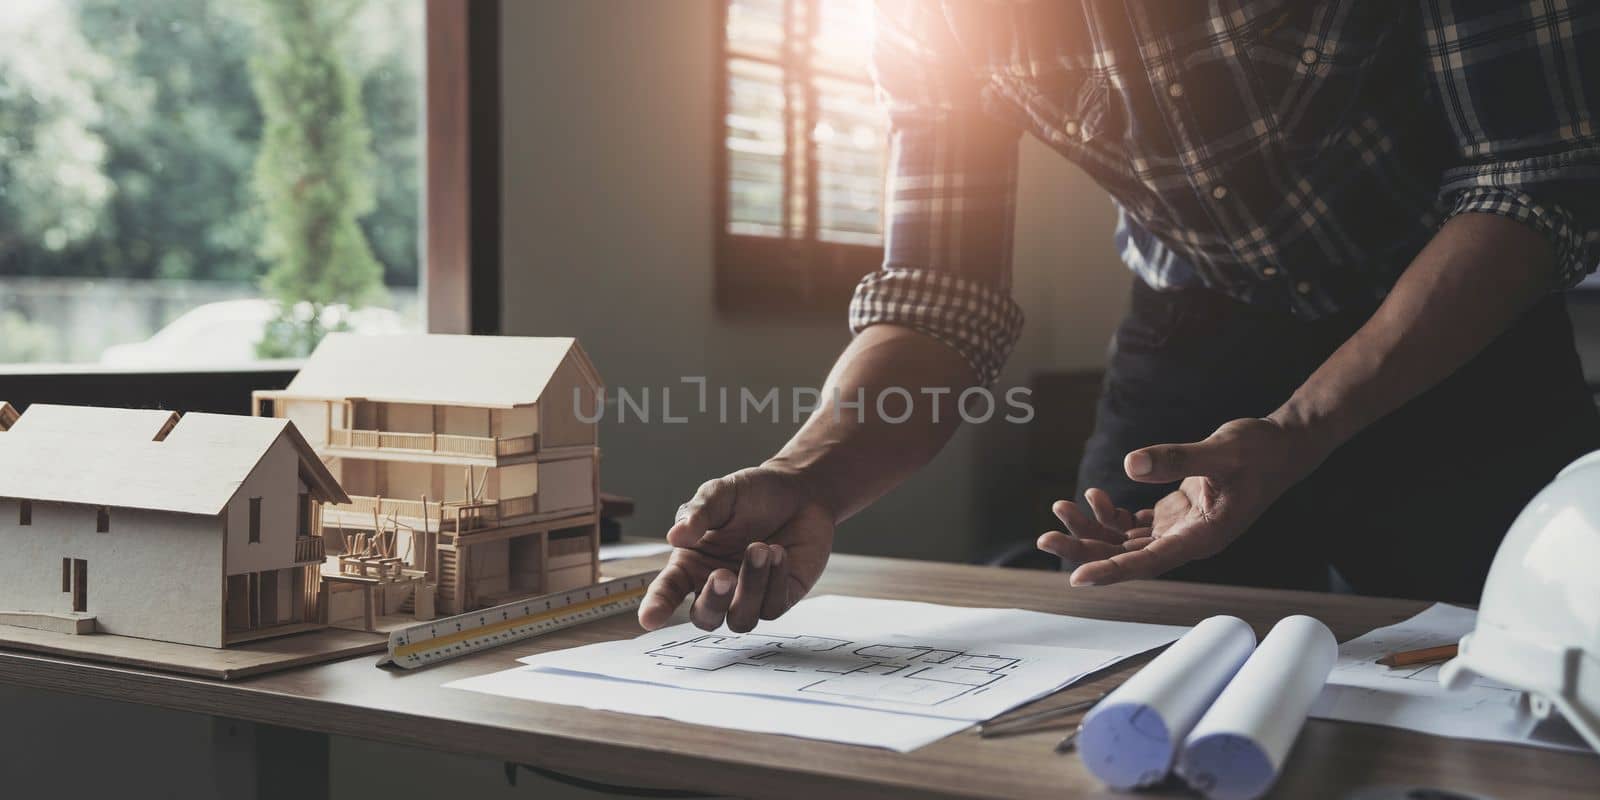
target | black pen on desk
x=1069, y=742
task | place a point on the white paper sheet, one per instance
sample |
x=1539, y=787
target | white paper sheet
x=617, y=551
x=838, y=617
x=1361, y=690
x=899, y=732
x=1131, y=738
x=1239, y=746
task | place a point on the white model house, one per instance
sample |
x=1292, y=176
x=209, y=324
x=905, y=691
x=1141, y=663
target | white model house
x=201, y=530
x=466, y=459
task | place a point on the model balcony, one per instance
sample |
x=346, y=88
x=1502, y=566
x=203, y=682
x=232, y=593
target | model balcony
x=451, y=517
x=308, y=549
x=447, y=446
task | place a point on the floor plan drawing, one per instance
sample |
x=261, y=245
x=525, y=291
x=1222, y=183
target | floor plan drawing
x=914, y=662
x=911, y=674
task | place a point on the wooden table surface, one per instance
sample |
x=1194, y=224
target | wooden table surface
x=354, y=698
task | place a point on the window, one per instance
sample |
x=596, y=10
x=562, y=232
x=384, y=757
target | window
x=102, y=520
x=255, y=520
x=150, y=221
x=66, y=574
x=25, y=512
x=801, y=151
x=303, y=526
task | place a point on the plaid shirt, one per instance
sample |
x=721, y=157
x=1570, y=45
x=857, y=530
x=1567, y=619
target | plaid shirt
x=1293, y=155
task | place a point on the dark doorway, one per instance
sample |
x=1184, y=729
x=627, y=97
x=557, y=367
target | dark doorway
x=80, y=585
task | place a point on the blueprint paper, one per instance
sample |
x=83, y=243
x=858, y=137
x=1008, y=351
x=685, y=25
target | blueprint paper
x=1237, y=750
x=1131, y=738
x=1361, y=690
x=958, y=680
x=899, y=732
x=838, y=617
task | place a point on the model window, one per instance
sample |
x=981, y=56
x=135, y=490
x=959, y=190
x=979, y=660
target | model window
x=304, y=527
x=255, y=520
x=102, y=520
x=25, y=512
x=66, y=574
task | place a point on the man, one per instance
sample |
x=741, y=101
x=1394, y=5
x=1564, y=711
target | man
x=1348, y=223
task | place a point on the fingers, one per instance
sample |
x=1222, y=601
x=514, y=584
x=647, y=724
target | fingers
x=711, y=507
x=1081, y=524
x=777, y=598
x=1165, y=463
x=751, y=593
x=1153, y=558
x=711, y=605
x=1078, y=550
x=665, y=594
x=1107, y=512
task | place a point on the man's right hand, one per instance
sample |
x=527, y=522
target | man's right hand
x=748, y=545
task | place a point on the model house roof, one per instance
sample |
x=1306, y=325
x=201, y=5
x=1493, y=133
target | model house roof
x=133, y=424
x=196, y=469
x=434, y=369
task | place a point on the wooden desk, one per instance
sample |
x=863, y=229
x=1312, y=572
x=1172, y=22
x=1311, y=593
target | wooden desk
x=355, y=699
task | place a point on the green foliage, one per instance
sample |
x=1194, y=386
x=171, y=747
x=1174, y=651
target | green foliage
x=21, y=340
x=313, y=170
x=180, y=142
x=129, y=132
x=52, y=187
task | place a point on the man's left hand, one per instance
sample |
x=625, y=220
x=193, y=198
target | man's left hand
x=1227, y=481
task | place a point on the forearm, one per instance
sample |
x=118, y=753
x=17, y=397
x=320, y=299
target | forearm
x=1467, y=286
x=850, y=458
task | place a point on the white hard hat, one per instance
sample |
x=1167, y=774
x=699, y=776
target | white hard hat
x=1539, y=621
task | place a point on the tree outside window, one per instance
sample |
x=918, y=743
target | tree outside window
x=206, y=181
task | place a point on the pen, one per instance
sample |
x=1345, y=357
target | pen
x=1010, y=726
x=1070, y=742
x=1426, y=655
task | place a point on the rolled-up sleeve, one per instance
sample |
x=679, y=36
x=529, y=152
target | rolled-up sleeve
x=1519, y=83
x=949, y=200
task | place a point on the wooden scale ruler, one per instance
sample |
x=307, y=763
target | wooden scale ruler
x=451, y=637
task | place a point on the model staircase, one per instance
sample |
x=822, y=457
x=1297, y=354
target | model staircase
x=448, y=578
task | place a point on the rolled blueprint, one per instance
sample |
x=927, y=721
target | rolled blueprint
x=1237, y=750
x=1132, y=737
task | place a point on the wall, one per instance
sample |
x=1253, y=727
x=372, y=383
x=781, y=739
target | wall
x=607, y=196
x=134, y=570
x=276, y=480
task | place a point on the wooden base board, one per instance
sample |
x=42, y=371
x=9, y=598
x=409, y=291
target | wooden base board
x=241, y=637
x=383, y=624
x=244, y=660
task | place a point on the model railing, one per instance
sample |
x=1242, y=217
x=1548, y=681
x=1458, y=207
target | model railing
x=448, y=516
x=376, y=567
x=308, y=549
x=441, y=443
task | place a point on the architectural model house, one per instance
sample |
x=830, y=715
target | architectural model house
x=201, y=530
x=466, y=460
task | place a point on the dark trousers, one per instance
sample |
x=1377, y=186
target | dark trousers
x=1413, y=506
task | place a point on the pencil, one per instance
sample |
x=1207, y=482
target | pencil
x=1424, y=656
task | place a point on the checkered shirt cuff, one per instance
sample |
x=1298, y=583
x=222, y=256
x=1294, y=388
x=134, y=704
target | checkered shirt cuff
x=1575, y=250
x=975, y=319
